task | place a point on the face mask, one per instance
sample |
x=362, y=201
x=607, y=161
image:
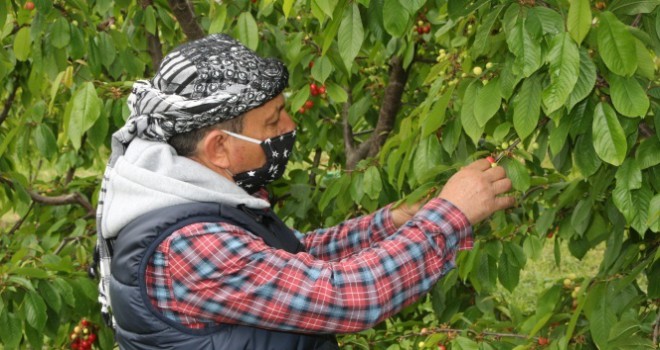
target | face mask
x=277, y=149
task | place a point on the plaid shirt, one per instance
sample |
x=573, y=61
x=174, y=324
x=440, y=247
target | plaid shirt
x=352, y=276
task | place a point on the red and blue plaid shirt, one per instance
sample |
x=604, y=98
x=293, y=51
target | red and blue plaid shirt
x=352, y=276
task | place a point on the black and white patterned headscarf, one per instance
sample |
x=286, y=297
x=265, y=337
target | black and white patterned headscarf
x=198, y=84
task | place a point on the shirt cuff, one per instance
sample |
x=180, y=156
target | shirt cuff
x=441, y=215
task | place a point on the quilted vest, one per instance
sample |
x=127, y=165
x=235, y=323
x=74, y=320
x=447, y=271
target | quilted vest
x=139, y=325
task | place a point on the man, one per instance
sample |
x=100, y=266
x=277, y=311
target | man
x=198, y=259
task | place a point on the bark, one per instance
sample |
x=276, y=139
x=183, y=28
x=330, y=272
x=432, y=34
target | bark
x=9, y=102
x=183, y=11
x=154, y=46
x=388, y=111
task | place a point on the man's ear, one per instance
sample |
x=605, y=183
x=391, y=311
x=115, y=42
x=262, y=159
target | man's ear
x=213, y=149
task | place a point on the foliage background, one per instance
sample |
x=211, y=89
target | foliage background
x=568, y=91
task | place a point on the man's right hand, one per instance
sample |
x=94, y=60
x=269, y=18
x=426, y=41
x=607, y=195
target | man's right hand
x=475, y=189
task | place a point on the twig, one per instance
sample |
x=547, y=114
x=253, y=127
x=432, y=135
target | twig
x=65, y=241
x=645, y=130
x=18, y=223
x=315, y=165
x=656, y=330
x=9, y=102
x=635, y=22
x=183, y=11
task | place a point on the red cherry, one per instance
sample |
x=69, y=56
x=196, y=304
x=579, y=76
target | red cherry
x=92, y=338
x=550, y=235
x=441, y=347
x=322, y=89
x=491, y=160
x=29, y=6
x=313, y=89
x=420, y=30
x=302, y=110
x=311, y=64
x=309, y=104
x=427, y=28
x=254, y=1
x=543, y=341
x=84, y=322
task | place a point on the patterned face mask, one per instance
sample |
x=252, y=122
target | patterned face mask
x=277, y=149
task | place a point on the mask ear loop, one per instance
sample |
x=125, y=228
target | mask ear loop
x=242, y=137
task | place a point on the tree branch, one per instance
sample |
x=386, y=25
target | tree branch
x=349, y=144
x=315, y=165
x=154, y=46
x=71, y=198
x=9, y=102
x=387, y=117
x=20, y=222
x=183, y=11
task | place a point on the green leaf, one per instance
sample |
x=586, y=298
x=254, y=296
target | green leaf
x=85, y=110
x=616, y=45
x=468, y=120
x=527, y=106
x=518, y=174
x=483, y=31
x=327, y=6
x=22, y=44
x=434, y=119
x=488, y=102
x=645, y=64
x=633, y=7
x=525, y=47
x=247, y=31
x=336, y=92
x=586, y=80
x=653, y=222
x=351, y=35
x=150, y=20
x=393, y=18
x=648, y=153
x=372, y=183
x=628, y=97
x=585, y=156
x=60, y=33
x=581, y=216
x=462, y=343
x=551, y=21
x=35, y=310
x=579, y=19
x=426, y=158
x=218, y=23
x=51, y=296
x=641, y=202
x=564, y=58
x=629, y=175
x=322, y=69
x=600, y=323
x=286, y=7
x=45, y=140
x=10, y=330
x=609, y=139
x=107, y=49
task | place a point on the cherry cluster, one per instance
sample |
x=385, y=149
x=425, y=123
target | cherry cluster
x=83, y=335
x=314, y=90
x=423, y=26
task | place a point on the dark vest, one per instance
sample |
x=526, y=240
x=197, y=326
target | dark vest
x=139, y=325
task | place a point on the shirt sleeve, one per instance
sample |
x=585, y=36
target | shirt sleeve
x=217, y=272
x=349, y=237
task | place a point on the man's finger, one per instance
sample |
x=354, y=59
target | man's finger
x=502, y=186
x=481, y=164
x=504, y=202
x=495, y=173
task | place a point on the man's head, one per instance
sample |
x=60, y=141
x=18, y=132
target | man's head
x=206, y=85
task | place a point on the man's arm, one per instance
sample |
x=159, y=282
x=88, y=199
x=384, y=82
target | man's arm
x=220, y=273
x=353, y=235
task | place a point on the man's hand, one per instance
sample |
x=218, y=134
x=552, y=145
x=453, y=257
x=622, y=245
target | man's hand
x=474, y=190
